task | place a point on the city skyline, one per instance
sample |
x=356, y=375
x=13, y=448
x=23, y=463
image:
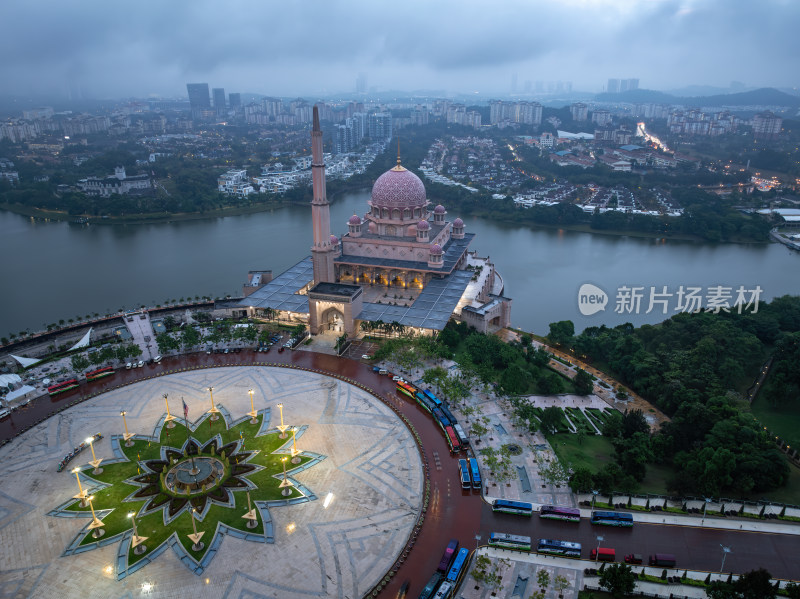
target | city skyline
x=345, y=46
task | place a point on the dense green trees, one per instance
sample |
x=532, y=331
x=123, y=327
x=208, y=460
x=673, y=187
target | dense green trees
x=619, y=579
x=694, y=367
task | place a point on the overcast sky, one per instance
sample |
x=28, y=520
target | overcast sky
x=113, y=48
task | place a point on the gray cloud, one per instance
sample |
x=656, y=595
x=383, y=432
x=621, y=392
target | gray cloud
x=116, y=48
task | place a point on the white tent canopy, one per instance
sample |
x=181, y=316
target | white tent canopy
x=25, y=362
x=84, y=342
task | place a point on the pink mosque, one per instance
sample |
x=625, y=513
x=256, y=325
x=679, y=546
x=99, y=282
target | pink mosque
x=402, y=261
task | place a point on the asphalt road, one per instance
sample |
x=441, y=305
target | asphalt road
x=456, y=514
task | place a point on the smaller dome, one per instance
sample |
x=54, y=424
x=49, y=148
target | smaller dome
x=423, y=225
x=458, y=223
x=334, y=240
x=354, y=220
x=436, y=249
x=439, y=209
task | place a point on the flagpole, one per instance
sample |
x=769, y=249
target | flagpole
x=188, y=435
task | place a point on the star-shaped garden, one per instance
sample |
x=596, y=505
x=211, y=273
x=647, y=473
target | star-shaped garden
x=187, y=488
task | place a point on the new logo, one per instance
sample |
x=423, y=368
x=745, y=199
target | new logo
x=591, y=299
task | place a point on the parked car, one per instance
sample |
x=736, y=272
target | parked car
x=633, y=558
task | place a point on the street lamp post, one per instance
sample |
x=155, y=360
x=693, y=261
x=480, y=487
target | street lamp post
x=252, y=413
x=213, y=411
x=282, y=427
x=127, y=436
x=597, y=552
x=196, y=536
x=725, y=552
x=706, y=501
x=96, y=525
x=169, y=419
x=136, y=541
x=82, y=494
x=594, y=495
x=286, y=485
x=250, y=516
x=295, y=453
x=95, y=462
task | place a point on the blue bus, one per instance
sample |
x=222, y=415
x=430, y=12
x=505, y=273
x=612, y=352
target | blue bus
x=440, y=418
x=458, y=565
x=448, y=413
x=463, y=471
x=522, y=508
x=518, y=542
x=565, y=548
x=475, y=472
x=423, y=401
x=436, y=401
x=444, y=591
x=612, y=518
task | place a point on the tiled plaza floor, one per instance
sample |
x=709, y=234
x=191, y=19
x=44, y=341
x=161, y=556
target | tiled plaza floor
x=372, y=468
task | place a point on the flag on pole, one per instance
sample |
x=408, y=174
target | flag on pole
x=185, y=410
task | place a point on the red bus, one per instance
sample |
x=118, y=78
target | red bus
x=63, y=387
x=604, y=555
x=100, y=373
x=409, y=389
x=452, y=439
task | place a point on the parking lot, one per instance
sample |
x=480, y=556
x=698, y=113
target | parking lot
x=360, y=348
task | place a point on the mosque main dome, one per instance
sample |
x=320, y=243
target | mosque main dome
x=398, y=188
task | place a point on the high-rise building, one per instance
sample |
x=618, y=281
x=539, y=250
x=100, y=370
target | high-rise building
x=613, y=86
x=766, y=125
x=380, y=126
x=219, y=99
x=234, y=101
x=361, y=83
x=580, y=111
x=525, y=113
x=199, y=99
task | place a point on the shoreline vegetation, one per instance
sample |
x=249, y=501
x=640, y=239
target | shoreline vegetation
x=269, y=206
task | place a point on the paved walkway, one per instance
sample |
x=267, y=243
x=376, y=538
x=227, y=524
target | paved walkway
x=372, y=468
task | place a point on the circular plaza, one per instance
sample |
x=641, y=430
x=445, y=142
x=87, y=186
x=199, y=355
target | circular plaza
x=323, y=505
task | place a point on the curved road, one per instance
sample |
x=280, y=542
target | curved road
x=453, y=513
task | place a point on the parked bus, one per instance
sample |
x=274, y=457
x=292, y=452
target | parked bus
x=430, y=588
x=564, y=548
x=522, y=508
x=444, y=591
x=409, y=389
x=463, y=471
x=612, y=518
x=475, y=472
x=462, y=436
x=665, y=560
x=424, y=402
x=100, y=373
x=448, y=556
x=452, y=439
x=436, y=401
x=405, y=392
x=518, y=542
x=440, y=418
x=458, y=565
x=553, y=512
x=605, y=554
x=446, y=411
x=63, y=387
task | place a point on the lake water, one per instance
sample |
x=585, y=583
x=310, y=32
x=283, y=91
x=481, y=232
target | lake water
x=56, y=270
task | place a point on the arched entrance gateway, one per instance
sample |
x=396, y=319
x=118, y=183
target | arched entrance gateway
x=332, y=321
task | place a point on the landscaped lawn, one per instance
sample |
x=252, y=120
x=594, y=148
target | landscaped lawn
x=594, y=453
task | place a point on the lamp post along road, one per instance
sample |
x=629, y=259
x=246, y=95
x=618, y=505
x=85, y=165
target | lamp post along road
x=213, y=411
x=136, y=541
x=250, y=516
x=282, y=426
x=95, y=462
x=286, y=485
x=96, y=525
x=252, y=413
x=295, y=453
x=597, y=552
x=82, y=494
x=725, y=552
x=127, y=436
x=169, y=419
x=196, y=536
